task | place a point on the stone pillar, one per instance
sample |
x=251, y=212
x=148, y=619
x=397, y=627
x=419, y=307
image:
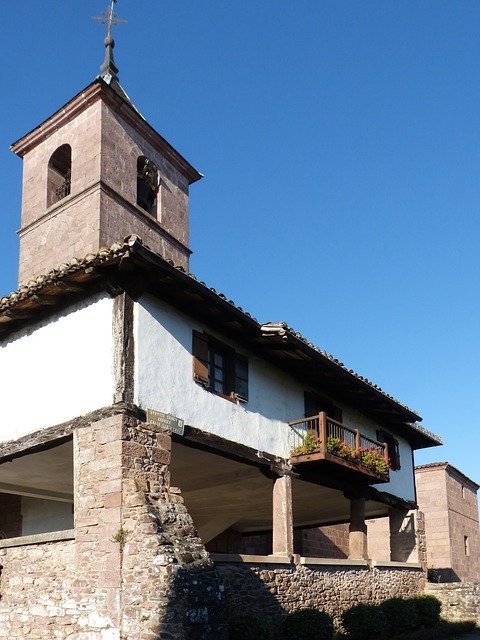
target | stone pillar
x=98, y=521
x=403, y=539
x=282, y=543
x=358, y=530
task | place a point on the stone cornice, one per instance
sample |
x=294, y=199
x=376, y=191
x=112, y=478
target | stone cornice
x=100, y=90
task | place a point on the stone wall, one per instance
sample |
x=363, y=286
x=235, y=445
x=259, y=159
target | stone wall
x=464, y=526
x=171, y=589
x=330, y=541
x=41, y=595
x=135, y=569
x=460, y=600
x=269, y=589
x=449, y=502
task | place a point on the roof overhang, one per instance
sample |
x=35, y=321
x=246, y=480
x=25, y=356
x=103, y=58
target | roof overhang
x=134, y=268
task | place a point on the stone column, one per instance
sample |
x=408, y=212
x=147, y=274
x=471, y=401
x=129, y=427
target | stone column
x=98, y=521
x=357, y=538
x=403, y=539
x=282, y=544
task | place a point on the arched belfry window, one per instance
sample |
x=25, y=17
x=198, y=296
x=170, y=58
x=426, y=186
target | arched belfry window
x=147, y=184
x=59, y=174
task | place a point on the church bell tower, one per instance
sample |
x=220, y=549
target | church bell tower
x=96, y=172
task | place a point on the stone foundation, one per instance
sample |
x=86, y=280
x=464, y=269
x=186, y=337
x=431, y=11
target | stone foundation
x=272, y=589
x=460, y=600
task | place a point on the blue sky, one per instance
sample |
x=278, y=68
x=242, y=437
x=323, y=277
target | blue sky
x=340, y=144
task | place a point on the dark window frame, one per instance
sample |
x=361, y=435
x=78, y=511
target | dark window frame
x=206, y=349
x=315, y=403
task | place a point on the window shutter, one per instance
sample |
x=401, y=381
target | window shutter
x=200, y=357
x=241, y=377
x=396, y=450
x=393, y=449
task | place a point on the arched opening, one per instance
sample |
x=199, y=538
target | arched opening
x=59, y=174
x=147, y=185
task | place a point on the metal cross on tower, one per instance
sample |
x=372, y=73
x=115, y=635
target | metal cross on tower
x=108, y=69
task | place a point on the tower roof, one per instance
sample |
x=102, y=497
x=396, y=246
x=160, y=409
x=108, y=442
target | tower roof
x=108, y=69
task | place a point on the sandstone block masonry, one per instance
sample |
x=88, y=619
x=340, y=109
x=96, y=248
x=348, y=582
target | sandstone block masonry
x=101, y=207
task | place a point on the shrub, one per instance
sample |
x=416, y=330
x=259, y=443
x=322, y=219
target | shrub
x=364, y=621
x=401, y=615
x=308, y=624
x=248, y=627
x=428, y=610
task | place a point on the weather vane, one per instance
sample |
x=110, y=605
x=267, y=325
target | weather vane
x=109, y=17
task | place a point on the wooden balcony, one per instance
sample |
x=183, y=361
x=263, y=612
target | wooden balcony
x=337, y=450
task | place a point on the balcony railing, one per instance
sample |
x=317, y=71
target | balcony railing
x=333, y=441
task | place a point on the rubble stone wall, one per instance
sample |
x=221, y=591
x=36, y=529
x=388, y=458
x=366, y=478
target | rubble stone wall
x=171, y=589
x=460, y=600
x=136, y=568
x=36, y=591
x=274, y=589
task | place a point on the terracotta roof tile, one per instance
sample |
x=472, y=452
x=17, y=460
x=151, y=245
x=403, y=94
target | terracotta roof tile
x=117, y=250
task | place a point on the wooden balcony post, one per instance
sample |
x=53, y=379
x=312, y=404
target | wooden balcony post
x=282, y=542
x=358, y=441
x=357, y=534
x=322, y=423
x=385, y=452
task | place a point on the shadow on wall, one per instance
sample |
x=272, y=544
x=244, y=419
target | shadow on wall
x=199, y=608
x=442, y=575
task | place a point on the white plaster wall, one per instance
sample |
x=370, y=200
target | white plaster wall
x=164, y=381
x=43, y=516
x=402, y=482
x=58, y=369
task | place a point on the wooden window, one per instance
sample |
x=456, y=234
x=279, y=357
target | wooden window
x=147, y=185
x=314, y=404
x=59, y=174
x=219, y=368
x=393, y=449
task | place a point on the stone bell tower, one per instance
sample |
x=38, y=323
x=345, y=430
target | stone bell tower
x=95, y=172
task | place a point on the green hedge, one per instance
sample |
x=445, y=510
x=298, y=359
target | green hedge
x=248, y=627
x=428, y=609
x=392, y=617
x=401, y=615
x=308, y=624
x=364, y=621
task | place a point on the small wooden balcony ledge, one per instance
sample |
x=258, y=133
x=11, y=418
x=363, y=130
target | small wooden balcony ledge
x=323, y=459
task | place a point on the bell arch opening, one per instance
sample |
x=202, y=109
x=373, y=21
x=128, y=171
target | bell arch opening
x=59, y=174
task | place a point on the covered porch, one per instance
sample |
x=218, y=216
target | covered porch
x=36, y=492
x=241, y=507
